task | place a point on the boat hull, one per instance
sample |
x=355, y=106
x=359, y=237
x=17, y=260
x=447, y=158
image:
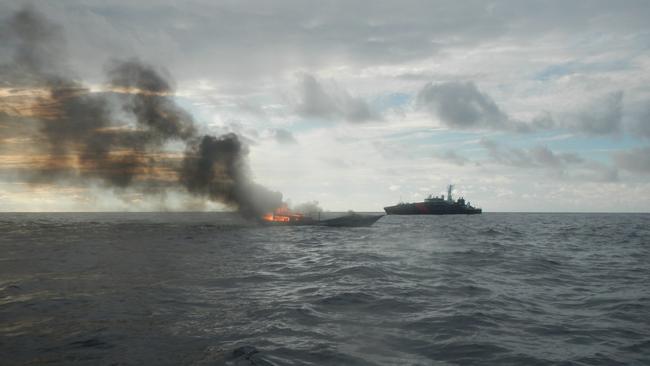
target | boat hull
x=423, y=208
x=352, y=220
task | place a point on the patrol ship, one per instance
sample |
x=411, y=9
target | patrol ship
x=435, y=206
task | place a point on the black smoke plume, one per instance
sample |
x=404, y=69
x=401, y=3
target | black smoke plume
x=117, y=136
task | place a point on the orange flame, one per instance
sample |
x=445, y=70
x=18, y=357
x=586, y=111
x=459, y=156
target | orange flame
x=283, y=214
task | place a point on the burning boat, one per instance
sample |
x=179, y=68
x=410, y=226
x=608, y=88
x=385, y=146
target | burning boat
x=284, y=217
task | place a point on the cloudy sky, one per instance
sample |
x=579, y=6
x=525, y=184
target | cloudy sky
x=523, y=105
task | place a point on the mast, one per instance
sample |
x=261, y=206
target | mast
x=449, y=189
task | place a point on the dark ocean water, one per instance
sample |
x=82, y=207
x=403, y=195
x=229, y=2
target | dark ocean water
x=188, y=289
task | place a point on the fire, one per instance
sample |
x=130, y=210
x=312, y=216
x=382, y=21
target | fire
x=283, y=214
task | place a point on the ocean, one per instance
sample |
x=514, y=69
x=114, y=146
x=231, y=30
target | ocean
x=212, y=289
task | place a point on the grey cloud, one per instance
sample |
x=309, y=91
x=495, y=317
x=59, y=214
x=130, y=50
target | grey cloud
x=640, y=120
x=284, y=137
x=490, y=145
x=420, y=75
x=248, y=107
x=453, y=157
x=602, y=117
x=536, y=156
x=232, y=39
x=462, y=105
x=316, y=101
x=543, y=121
x=545, y=157
x=597, y=172
x=357, y=110
x=562, y=165
x=634, y=160
x=571, y=158
x=507, y=156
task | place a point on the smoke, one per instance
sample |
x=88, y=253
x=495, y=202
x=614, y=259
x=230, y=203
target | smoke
x=214, y=167
x=308, y=208
x=121, y=135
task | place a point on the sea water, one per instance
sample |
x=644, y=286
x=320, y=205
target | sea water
x=191, y=288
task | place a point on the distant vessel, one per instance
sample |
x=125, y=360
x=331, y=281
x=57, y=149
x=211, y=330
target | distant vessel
x=435, y=206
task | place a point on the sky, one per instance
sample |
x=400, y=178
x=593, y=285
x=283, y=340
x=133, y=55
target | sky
x=522, y=105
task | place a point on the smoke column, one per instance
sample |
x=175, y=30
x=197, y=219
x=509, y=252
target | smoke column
x=117, y=136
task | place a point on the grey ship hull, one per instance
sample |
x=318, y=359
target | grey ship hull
x=431, y=208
